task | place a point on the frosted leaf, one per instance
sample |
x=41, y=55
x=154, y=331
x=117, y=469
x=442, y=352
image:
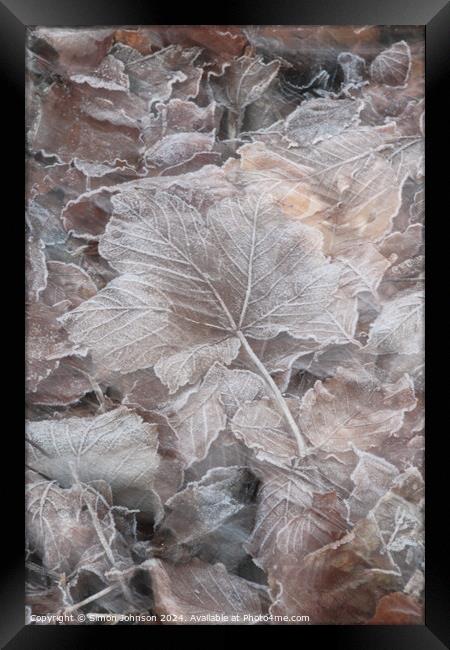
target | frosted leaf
x=74, y=529
x=326, y=361
x=262, y=428
x=349, y=172
x=169, y=474
x=284, y=496
x=46, y=341
x=204, y=506
x=106, y=128
x=66, y=384
x=196, y=591
x=118, y=447
x=142, y=389
x=260, y=166
x=178, y=148
x=392, y=66
x=364, y=268
x=337, y=322
x=339, y=583
x=225, y=451
x=43, y=218
x=322, y=523
x=196, y=283
x=243, y=81
x=399, y=516
x=352, y=191
x=235, y=387
x=127, y=326
x=198, y=422
x=372, y=478
x=399, y=327
x=110, y=75
x=67, y=282
x=280, y=353
x=178, y=116
x=319, y=119
x=35, y=268
x=406, y=252
x=76, y=50
x=354, y=410
x=417, y=209
x=353, y=68
x=404, y=245
x=169, y=72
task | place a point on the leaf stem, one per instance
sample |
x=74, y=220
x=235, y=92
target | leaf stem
x=91, y=599
x=277, y=394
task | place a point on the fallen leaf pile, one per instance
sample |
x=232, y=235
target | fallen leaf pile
x=224, y=252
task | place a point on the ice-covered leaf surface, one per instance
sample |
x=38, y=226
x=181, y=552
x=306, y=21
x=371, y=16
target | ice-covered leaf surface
x=117, y=447
x=197, y=593
x=224, y=261
x=244, y=271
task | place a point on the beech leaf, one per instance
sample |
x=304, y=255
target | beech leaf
x=392, y=66
x=197, y=592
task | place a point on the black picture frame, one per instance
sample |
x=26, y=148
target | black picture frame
x=16, y=16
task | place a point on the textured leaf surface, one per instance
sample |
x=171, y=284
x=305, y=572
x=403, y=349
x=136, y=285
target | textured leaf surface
x=346, y=411
x=74, y=528
x=206, y=279
x=224, y=340
x=199, y=590
x=117, y=447
x=399, y=327
x=392, y=66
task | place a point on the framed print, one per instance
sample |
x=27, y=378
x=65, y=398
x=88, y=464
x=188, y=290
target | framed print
x=225, y=323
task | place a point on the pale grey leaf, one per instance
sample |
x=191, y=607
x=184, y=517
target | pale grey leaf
x=399, y=516
x=372, y=478
x=246, y=270
x=118, y=447
x=262, y=428
x=319, y=119
x=399, y=327
x=203, y=506
x=199, y=421
x=242, y=82
x=351, y=409
x=364, y=268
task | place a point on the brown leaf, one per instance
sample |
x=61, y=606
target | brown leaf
x=74, y=529
x=347, y=410
x=398, y=609
x=196, y=592
x=67, y=282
